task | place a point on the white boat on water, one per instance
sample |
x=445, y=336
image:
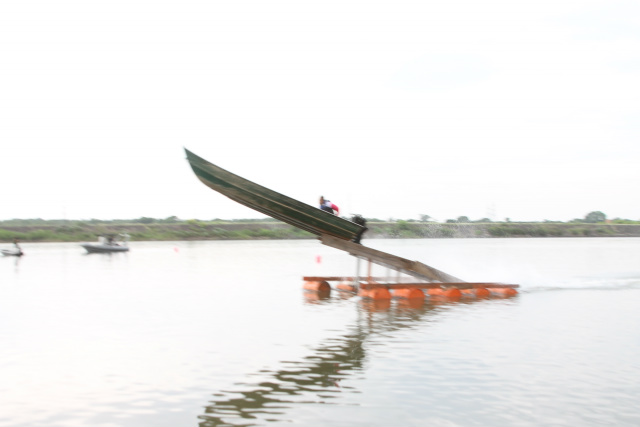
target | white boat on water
x=12, y=252
x=108, y=244
x=17, y=251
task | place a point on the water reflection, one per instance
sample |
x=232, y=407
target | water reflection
x=318, y=378
x=15, y=260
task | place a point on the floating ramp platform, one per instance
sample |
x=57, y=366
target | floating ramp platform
x=423, y=280
x=339, y=233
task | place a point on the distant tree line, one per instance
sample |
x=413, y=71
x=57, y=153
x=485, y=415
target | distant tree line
x=141, y=220
x=590, y=218
x=594, y=224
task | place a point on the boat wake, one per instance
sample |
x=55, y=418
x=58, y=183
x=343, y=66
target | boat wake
x=584, y=283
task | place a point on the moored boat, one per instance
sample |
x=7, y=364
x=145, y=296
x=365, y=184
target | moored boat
x=108, y=244
x=12, y=252
x=17, y=251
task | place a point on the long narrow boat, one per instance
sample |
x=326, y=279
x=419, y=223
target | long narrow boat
x=333, y=231
x=273, y=204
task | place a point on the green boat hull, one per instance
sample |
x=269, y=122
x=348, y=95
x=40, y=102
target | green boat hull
x=273, y=204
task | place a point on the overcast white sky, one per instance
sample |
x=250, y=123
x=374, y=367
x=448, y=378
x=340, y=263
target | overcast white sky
x=507, y=108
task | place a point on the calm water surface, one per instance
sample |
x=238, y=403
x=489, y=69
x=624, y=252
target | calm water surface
x=221, y=334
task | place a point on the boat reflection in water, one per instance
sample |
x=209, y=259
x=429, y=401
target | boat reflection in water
x=312, y=380
x=317, y=378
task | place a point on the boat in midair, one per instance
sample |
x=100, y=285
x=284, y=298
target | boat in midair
x=274, y=204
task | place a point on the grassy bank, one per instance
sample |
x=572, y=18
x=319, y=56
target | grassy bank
x=82, y=231
x=79, y=231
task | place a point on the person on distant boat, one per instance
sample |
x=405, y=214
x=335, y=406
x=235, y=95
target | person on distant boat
x=327, y=206
x=15, y=242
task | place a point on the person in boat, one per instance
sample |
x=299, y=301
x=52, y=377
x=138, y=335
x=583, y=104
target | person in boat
x=15, y=242
x=111, y=241
x=327, y=206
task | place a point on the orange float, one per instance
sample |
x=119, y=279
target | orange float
x=476, y=292
x=446, y=293
x=346, y=287
x=375, y=293
x=408, y=293
x=322, y=286
x=503, y=292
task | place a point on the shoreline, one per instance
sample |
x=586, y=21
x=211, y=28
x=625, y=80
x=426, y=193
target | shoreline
x=82, y=231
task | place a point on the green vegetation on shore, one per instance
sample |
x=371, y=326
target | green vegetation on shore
x=173, y=228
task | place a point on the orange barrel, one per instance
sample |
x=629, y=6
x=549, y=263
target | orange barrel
x=408, y=293
x=503, y=292
x=375, y=293
x=346, y=287
x=451, y=293
x=322, y=286
x=476, y=292
x=434, y=292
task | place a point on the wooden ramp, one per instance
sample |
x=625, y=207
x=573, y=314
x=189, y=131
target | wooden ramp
x=412, y=268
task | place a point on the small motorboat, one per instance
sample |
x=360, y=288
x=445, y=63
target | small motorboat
x=12, y=252
x=108, y=244
x=17, y=251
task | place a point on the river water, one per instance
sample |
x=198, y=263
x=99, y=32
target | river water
x=220, y=333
